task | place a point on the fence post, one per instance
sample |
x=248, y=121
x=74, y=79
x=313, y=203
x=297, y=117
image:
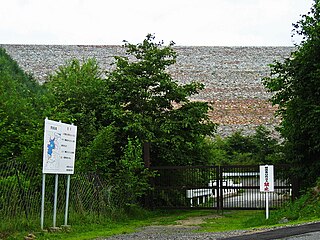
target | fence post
x=221, y=187
x=146, y=154
x=295, y=188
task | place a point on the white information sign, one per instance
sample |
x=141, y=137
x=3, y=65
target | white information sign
x=59, y=147
x=266, y=178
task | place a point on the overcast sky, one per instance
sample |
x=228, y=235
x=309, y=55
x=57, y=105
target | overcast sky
x=186, y=22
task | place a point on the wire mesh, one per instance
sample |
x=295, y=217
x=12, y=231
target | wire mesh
x=21, y=192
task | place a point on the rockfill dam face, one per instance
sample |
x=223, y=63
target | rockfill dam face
x=232, y=76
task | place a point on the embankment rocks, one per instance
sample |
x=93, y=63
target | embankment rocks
x=232, y=76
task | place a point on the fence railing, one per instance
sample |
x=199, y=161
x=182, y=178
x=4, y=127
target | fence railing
x=228, y=187
x=231, y=187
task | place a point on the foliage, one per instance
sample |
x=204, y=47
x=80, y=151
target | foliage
x=259, y=148
x=131, y=179
x=304, y=209
x=78, y=96
x=137, y=99
x=101, y=153
x=295, y=84
x=153, y=107
x=19, y=119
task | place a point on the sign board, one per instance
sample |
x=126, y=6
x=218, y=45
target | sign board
x=59, y=147
x=266, y=178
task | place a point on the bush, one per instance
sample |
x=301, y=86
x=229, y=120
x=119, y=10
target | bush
x=131, y=179
x=259, y=148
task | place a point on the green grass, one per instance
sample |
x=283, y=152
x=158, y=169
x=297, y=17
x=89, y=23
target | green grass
x=230, y=220
x=243, y=219
x=90, y=226
x=305, y=209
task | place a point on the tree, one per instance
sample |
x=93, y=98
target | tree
x=154, y=108
x=77, y=94
x=267, y=149
x=138, y=99
x=259, y=148
x=20, y=122
x=295, y=84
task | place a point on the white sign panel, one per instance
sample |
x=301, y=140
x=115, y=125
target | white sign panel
x=266, y=178
x=59, y=147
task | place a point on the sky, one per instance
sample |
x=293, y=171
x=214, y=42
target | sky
x=186, y=22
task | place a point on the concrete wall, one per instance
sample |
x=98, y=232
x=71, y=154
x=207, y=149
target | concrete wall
x=232, y=76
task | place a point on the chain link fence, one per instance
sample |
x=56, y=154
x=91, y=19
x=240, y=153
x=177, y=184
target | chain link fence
x=21, y=193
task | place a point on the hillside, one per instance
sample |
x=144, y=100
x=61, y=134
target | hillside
x=232, y=76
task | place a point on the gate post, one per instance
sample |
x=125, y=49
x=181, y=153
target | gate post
x=295, y=188
x=146, y=154
x=220, y=188
x=217, y=186
x=219, y=177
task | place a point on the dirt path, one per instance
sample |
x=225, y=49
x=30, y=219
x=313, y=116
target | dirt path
x=184, y=229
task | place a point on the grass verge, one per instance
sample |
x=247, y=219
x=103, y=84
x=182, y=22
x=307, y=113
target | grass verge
x=214, y=222
x=305, y=209
x=91, y=226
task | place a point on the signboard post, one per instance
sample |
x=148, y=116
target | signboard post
x=267, y=183
x=58, y=158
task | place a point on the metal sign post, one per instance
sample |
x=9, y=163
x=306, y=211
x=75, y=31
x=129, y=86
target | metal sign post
x=42, y=200
x=267, y=183
x=58, y=158
x=67, y=202
x=267, y=205
x=55, y=200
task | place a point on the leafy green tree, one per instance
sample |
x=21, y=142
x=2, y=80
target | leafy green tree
x=20, y=122
x=131, y=178
x=101, y=157
x=77, y=94
x=137, y=99
x=153, y=107
x=258, y=148
x=295, y=84
x=268, y=149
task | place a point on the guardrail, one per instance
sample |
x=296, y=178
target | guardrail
x=210, y=193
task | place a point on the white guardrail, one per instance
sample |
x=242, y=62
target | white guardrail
x=207, y=193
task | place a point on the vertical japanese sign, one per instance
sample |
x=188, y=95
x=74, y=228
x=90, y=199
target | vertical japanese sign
x=266, y=178
x=59, y=147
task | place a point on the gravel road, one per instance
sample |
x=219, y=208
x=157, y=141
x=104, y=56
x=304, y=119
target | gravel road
x=309, y=231
x=175, y=232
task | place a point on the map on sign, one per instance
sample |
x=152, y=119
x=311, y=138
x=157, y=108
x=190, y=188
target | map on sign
x=52, y=148
x=59, y=147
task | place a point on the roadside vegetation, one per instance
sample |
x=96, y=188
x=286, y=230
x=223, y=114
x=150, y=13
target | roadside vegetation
x=304, y=210
x=138, y=102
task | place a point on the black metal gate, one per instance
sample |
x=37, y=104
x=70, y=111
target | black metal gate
x=217, y=187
